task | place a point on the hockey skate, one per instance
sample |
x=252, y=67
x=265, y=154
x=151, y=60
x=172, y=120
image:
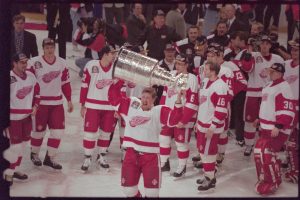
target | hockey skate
x=166, y=166
x=86, y=163
x=240, y=142
x=180, y=172
x=20, y=176
x=35, y=159
x=102, y=161
x=291, y=176
x=50, y=163
x=198, y=164
x=196, y=158
x=207, y=184
x=248, y=150
x=220, y=158
x=264, y=188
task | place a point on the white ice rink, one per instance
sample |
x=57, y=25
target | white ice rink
x=235, y=179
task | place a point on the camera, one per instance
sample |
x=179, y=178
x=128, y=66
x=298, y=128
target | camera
x=89, y=22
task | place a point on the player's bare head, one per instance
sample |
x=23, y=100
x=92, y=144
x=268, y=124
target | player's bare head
x=48, y=46
x=108, y=53
x=148, y=97
x=211, y=69
x=19, y=62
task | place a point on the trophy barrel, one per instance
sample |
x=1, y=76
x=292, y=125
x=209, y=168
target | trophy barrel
x=134, y=67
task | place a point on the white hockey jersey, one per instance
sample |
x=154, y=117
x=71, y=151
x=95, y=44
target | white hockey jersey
x=213, y=105
x=291, y=75
x=23, y=95
x=95, y=84
x=190, y=101
x=277, y=105
x=53, y=79
x=258, y=76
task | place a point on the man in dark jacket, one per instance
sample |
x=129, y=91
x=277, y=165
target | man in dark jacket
x=136, y=23
x=22, y=41
x=58, y=17
x=157, y=36
x=234, y=24
x=220, y=35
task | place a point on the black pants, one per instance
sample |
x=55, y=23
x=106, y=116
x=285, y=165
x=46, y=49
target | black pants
x=61, y=36
x=237, y=112
x=259, y=12
x=273, y=10
x=112, y=12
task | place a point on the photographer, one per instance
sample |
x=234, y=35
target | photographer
x=91, y=35
x=276, y=47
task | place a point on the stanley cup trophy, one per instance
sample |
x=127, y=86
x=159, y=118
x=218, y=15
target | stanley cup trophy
x=145, y=71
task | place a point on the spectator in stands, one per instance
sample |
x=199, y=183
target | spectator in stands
x=277, y=48
x=58, y=16
x=211, y=18
x=186, y=46
x=200, y=49
x=193, y=13
x=175, y=20
x=168, y=63
x=21, y=40
x=114, y=11
x=136, y=23
x=220, y=35
x=157, y=36
x=222, y=14
x=93, y=39
x=77, y=11
x=234, y=24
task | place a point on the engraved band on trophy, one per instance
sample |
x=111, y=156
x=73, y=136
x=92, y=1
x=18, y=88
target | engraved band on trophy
x=145, y=71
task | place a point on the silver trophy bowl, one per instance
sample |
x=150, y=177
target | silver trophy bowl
x=145, y=71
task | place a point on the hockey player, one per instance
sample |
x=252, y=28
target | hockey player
x=96, y=110
x=291, y=75
x=212, y=112
x=24, y=102
x=141, y=138
x=53, y=77
x=258, y=77
x=215, y=54
x=182, y=133
x=276, y=114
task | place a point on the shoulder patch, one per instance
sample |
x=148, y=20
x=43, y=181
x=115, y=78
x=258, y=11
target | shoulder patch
x=95, y=69
x=38, y=65
x=135, y=104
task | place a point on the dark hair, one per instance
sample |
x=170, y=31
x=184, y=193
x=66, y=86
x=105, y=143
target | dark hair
x=193, y=26
x=213, y=67
x=151, y=91
x=241, y=34
x=18, y=17
x=222, y=22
